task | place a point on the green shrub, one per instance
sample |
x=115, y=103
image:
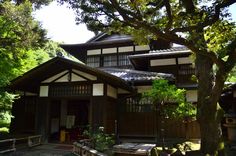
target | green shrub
x=100, y=140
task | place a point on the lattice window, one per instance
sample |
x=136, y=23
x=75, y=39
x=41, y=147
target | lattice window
x=124, y=60
x=135, y=104
x=93, y=61
x=72, y=90
x=109, y=60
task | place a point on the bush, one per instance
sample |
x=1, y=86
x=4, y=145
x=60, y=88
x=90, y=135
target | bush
x=99, y=140
x=5, y=120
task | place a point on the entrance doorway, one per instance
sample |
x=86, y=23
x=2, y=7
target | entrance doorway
x=78, y=109
x=69, y=116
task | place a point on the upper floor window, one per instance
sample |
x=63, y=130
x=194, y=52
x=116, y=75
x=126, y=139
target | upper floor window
x=93, y=61
x=124, y=60
x=109, y=60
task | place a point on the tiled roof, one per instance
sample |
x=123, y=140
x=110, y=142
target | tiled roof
x=164, y=52
x=135, y=75
x=173, y=49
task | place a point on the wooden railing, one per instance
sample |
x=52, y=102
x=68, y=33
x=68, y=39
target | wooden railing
x=9, y=145
x=70, y=90
x=34, y=140
x=10, y=148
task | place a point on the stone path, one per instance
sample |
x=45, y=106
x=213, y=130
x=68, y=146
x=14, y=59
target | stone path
x=133, y=148
x=44, y=150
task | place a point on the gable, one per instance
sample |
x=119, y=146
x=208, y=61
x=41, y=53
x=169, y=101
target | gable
x=73, y=75
x=61, y=70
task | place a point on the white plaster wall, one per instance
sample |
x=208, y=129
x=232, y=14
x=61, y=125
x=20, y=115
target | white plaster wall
x=98, y=89
x=43, y=91
x=191, y=95
x=88, y=76
x=185, y=60
x=54, y=77
x=76, y=78
x=109, y=50
x=111, y=91
x=125, y=49
x=63, y=78
x=142, y=47
x=94, y=52
x=163, y=62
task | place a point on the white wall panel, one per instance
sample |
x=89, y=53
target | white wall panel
x=185, y=60
x=54, y=77
x=64, y=78
x=75, y=78
x=88, y=76
x=94, y=52
x=126, y=49
x=98, y=89
x=111, y=91
x=43, y=91
x=163, y=62
x=109, y=50
x=142, y=48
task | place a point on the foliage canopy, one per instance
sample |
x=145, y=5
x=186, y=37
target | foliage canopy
x=20, y=37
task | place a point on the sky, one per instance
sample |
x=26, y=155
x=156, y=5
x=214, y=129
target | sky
x=60, y=23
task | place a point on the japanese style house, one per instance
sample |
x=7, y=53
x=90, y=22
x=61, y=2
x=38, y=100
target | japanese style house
x=104, y=90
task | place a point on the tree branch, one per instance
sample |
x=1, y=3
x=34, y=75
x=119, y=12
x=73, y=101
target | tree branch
x=169, y=14
x=211, y=19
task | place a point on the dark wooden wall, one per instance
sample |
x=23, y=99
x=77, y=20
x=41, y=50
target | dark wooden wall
x=24, y=112
x=111, y=115
x=144, y=125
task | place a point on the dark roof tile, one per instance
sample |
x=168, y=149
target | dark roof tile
x=136, y=75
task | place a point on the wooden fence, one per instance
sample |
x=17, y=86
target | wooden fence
x=9, y=145
x=145, y=125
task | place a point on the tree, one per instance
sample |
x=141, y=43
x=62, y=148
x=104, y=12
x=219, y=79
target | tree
x=202, y=26
x=36, y=3
x=20, y=36
x=169, y=101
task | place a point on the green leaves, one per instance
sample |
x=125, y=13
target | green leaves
x=20, y=36
x=170, y=99
x=99, y=139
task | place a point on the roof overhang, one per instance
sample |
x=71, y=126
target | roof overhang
x=79, y=50
x=32, y=79
x=141, y=61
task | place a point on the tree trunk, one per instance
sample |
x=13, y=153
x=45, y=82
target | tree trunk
x=208, y=113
